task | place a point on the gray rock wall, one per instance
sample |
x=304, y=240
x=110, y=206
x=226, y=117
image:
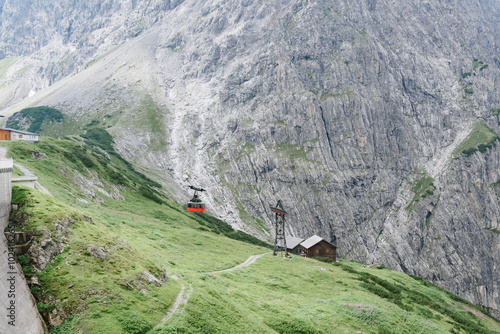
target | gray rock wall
x=58, y=39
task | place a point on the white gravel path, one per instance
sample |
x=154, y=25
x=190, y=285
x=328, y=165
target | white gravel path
x=183, y=296
x=182, y=299
x=248, y=262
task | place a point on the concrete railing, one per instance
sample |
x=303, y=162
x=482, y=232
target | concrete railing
x=6, y=166
x=28, y=181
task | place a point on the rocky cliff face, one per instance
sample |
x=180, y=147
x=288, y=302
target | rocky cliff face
x=42, y=41
x=356, y=115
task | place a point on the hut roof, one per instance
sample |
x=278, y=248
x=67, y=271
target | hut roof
x=292, y=242
x=308, y=243
x=19, y=131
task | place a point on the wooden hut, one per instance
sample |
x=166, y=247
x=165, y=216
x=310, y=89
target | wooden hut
x=293, y=245
x=317, y=246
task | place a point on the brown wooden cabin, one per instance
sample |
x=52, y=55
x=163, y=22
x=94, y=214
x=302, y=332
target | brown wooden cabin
x=317, y=246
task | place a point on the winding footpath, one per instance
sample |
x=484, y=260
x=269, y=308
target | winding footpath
x=182, y=299
x=183, y=296
x=248, y=262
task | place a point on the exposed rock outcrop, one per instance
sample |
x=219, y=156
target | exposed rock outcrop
x=99, y=252
x=37, y=155
x=50, y=244
x=147, y=277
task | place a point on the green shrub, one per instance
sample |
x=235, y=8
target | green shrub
x=369, y=278
x=92, y=123
x=117, y=178
x=327, y=260
x=27, y=269
x=134, y=323
x=100, y=138
x=421, y=299
x=85, y=159
x=148, y=193
x=72, y=158
x=379, y=291
x=45, y=307
x=384, y=330
x=23, y=260
x=425, y=312
x=168, y=329
x=144, y=177
x=292, y=326
x=402, y=305
x=350, y=269
x=34, y=288
x=477, y=63
x=64, y=328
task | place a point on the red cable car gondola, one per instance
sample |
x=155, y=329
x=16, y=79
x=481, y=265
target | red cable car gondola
x=195, y=204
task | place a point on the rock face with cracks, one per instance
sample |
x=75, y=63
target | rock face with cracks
x=355, y=114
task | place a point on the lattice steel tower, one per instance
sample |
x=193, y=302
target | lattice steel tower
x=279, y=240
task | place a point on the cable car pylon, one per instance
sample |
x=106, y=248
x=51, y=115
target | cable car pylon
x=279, y=240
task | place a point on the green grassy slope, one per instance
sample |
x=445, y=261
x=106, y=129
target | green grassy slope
x=272, y=295
x=480, y=139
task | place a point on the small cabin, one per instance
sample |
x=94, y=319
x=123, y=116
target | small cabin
x=293, y=245
x=317, y=246
x=13, y=134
